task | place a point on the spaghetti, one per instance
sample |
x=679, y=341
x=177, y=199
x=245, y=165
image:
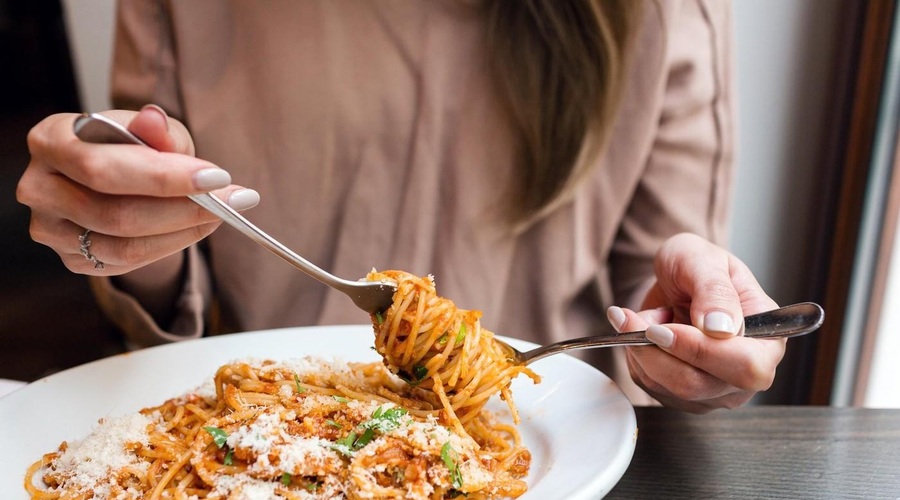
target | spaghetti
x=297, y=429
x=435, y=346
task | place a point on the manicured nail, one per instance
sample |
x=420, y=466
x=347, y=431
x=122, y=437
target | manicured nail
x=660, y=336
x=159, y=110
x=243, y=199
x=719, y=322
x=211, y=178
x=616, y=317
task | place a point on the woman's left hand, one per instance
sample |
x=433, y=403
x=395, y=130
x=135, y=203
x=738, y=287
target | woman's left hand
x=694, y=314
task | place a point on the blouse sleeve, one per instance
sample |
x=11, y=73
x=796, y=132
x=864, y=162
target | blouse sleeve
x=687, y=180
x=145, y=71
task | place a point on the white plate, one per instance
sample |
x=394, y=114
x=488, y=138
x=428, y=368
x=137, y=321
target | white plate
x=580, y=428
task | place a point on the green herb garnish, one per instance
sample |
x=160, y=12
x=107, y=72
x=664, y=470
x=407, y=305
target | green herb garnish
x=333, y=424
x=379, y=318
x=300, y=388
x=219, y=436
x=364, y=439
x=461, y=335
x=451, y=460
x=345, y=445
x=340, y=399
x=228, y=460
x=286, y=478
x=383, y=420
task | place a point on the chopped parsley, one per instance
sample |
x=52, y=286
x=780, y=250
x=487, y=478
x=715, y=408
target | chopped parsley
x=333, y=424
x=364, y=439
x=340, y=399
x=451, y=460
x=385, y=420
x=219, y=436
x=461, y=335
x=300, y=388
x=345, y=444
x=419, y=373
x=382, y=421
x=379, y=318
x=286, y=478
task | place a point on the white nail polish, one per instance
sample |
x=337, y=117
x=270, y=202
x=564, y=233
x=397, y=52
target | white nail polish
x=243, y=199
x=719, y=322
x=616, y=317
x=660, y=336
x=211, y=178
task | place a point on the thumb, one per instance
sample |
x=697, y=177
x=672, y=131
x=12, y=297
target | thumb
x=699, y=275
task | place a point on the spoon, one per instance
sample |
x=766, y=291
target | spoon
x=370, y=296
x=788, y=321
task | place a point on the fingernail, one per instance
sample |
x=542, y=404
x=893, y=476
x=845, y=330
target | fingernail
x=211, y=178
x=660, y=335
x=718, y=321
x=243, y=199
x=616, y=317
x=159, y=110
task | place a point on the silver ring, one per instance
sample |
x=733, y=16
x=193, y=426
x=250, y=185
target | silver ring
x=85, y=249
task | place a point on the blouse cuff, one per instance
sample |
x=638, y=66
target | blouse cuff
x=139, y=328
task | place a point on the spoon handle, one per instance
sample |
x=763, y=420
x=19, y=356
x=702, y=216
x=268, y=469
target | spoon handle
x=788, y=321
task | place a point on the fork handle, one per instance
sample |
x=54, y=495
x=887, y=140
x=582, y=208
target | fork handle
x=787, y=321
x=96, y=128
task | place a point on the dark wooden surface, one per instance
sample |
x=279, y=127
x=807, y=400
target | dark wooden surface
x=765, y=452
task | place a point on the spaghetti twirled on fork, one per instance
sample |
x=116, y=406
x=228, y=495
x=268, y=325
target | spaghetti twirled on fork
x=429, y=342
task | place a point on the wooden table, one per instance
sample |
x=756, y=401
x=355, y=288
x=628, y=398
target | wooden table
x=769, y=452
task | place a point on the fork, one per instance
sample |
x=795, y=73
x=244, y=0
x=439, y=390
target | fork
x=788, y=321
x=370, y=296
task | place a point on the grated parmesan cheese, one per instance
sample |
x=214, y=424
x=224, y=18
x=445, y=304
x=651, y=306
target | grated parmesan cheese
x=271, y=450
x=89, y=462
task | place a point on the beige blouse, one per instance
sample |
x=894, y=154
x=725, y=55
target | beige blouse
x=375, y=139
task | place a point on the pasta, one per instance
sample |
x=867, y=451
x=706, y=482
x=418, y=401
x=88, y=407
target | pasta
x=285, y=430
x=413, y=426
x=426, y=340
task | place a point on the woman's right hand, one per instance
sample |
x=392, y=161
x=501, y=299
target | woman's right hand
x=133, y=199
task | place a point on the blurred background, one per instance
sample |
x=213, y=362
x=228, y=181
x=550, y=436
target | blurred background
x=814, y=214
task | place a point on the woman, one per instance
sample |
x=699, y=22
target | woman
x=543, y=160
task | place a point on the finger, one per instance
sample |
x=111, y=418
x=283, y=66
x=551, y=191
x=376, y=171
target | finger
x=673, y=382
x=745, y=363
x=666, y=376
x=626, y=320
x=130, y=216
x=122, y=169
x=151, y=125
x=121, y=255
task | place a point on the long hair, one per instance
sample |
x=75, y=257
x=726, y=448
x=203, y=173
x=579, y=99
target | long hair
x=559, y=67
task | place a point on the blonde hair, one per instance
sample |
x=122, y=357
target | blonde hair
x=559, y=67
